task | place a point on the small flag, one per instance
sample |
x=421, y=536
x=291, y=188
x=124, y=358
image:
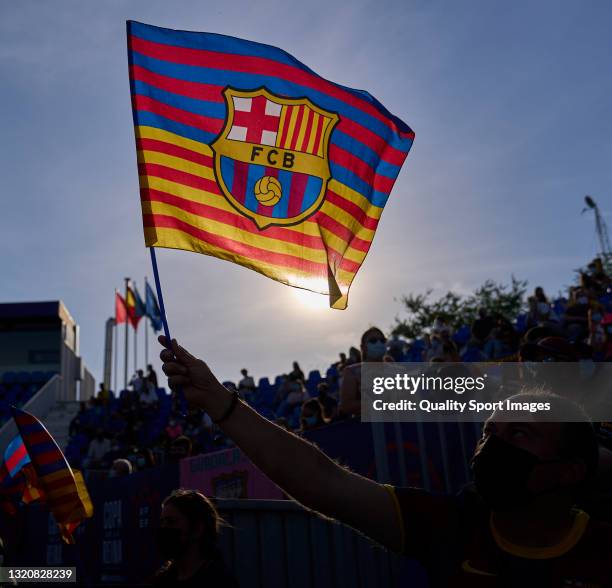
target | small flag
x=135, y=306
x=120, y=309
x=63, y=491
x=152, y=306
x=246, y=154
x=16, y=456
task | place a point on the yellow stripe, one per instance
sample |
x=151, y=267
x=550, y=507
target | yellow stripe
x=143, y=132
x=313, y=133
x=216, y=201
x=347, y=220
x=281, y=125
x=65, y=473
x=62, y=491
x=302, y=129
x=322, y=140
x=349, y=194
x=355, y=255
x=176, y=239
x=231, y=232
x=176, y=163
x=294, y=113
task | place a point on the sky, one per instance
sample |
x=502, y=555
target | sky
x=510, y=103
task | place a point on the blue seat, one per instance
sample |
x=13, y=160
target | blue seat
x=9, y=378
x=24, y=377
x=38, y=377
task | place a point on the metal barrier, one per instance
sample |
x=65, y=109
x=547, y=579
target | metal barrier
x=276, y=543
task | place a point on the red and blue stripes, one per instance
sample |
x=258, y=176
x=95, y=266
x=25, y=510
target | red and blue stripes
x=177, y=83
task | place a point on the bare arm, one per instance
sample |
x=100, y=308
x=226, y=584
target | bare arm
x=298, y=467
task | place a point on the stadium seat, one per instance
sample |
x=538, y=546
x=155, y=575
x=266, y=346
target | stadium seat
x=24, y=377
x=9, y=378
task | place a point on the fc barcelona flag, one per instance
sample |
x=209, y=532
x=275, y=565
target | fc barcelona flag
x=246, y=154
x=63, y=489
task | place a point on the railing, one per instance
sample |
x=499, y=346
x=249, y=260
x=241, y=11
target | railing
x=39, y=405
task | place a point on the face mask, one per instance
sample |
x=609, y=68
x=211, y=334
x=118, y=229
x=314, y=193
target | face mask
x=596, y=318
x=501, y=473
x=609, y=329
x=112, y=474
x=311, y=420
x=140, y=462
x=582, y=300
x=376, y=350
x=169, y=542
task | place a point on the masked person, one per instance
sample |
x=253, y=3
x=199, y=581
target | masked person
x=187, y=541
x=373, y=349
x=517, y=528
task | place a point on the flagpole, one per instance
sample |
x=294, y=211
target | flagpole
x=146, y=331
x=116, y=327
x=135, y=348
x=160, y=297
x=125, y=370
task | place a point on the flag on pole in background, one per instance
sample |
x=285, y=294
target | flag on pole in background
x=63, y=489
x=246, y=154
x=120, y=309
x=152, y=307
x=135, y=306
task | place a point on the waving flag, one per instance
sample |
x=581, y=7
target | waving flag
x=152, y=307
x=63, y=489
x=135, y=306
x=120, y=309
x=246, y=154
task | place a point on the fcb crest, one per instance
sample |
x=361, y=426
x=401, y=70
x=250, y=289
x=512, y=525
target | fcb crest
x=271, y=158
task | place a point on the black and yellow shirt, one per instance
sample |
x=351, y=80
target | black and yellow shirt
x=455, y=539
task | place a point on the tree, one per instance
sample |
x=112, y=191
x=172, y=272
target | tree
x=456, y=310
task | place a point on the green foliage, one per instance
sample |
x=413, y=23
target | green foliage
x=457, y=310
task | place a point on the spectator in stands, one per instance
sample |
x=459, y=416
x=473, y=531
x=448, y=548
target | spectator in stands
x=138, y=382
x=187, y=541
x=180, y=448
x=246, y=385
x=297, y=373
x=98, y=448
x=354, y=356
x=518, y=528
x=311, y=416
x=121, y=467
x=148, y=395
x=79, y=421
x=373, y=348
x=174, y=428
x=482, y=326
x=328, y=403
x=576, y=318
x=152, y=377
x=296, y=395
x=103, y=394
x=340, y=365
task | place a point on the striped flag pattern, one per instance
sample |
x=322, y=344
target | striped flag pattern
x=177, y=84
x=63, y=489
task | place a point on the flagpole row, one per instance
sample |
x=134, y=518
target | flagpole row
x=160, y=297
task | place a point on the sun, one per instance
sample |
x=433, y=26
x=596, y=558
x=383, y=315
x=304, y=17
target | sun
x=310, y=300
